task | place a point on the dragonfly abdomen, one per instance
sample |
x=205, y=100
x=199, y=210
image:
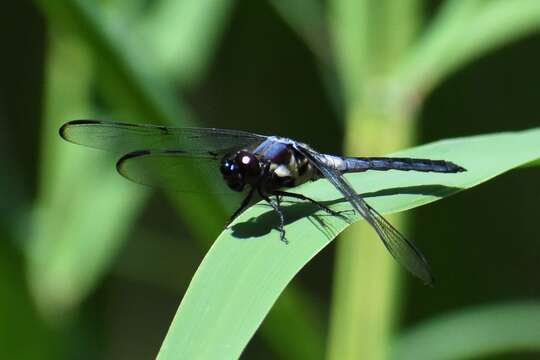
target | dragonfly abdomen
x=359, y=164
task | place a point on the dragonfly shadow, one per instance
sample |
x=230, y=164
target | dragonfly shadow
x=294, y=210
x=431, y=190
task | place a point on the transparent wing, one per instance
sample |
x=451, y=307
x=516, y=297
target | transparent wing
x=171, y=170
x=124, y=137
x=403, y=250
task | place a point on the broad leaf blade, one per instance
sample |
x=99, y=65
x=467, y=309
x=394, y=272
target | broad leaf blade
x=248, y=267
x=477, y=332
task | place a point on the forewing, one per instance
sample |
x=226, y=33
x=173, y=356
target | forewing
x=171, y=170
x=403, y=250
x=124, y=137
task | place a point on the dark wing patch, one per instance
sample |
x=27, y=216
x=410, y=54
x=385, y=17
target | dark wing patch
x=404, y=251
x=124, y=137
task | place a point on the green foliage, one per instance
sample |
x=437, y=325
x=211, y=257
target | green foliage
x=138, y=58
x=473, y=333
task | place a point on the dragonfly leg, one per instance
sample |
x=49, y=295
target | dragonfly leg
x=244, y=205
x=277, y=209
x=314, y=202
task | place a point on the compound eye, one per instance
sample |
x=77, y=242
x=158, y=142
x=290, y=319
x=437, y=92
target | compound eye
x=227, y=167
x=248, y=163
x=224, y=169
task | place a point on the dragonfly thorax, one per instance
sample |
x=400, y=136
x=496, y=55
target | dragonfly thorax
x=240, y=169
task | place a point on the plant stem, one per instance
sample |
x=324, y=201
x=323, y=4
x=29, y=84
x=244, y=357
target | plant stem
x=370, y=37
x=365, y=289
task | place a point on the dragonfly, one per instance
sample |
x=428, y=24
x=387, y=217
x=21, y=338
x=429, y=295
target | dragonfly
x=267, y=167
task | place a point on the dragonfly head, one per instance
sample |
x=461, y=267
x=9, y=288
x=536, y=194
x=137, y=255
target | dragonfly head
x=239, y=169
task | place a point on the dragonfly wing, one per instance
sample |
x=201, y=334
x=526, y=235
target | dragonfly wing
x=125, y=137
x=172, y=170
x=403, y=250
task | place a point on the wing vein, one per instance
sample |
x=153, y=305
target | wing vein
x=404, y=251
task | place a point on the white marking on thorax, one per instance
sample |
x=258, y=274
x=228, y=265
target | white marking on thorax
x=282, y=171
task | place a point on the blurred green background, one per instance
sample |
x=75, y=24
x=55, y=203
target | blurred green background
x=92, y=266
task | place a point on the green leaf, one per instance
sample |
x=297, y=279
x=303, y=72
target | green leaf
x=473, y=333
x=461, y=32
x=184, y=35
x=248, y=267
